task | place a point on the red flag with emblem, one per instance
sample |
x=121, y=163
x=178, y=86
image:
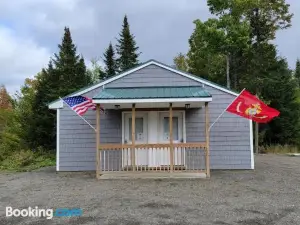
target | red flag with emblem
x=250, y=107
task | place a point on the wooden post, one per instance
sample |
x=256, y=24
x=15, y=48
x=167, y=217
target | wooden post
x=171, y=139
x=207, y=155
x=98, y=153
x=133, y=138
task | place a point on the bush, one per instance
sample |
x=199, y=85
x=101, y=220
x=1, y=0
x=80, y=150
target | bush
x=279, y=149
x=27, y=160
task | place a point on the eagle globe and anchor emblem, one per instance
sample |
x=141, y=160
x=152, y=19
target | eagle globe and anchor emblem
x=252, y=111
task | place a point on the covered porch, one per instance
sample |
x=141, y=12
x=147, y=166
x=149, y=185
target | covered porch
x=154, y=142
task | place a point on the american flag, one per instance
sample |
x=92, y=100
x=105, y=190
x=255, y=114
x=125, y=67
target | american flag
x=80, y=104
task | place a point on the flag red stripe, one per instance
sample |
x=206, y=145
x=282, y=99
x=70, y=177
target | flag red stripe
x=81, y=104
x=81, y=112
x=87, y=105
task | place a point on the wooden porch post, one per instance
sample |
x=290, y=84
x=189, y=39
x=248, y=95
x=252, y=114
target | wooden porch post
x=133, y=138
x=98, y=153
x=171, y=139
x=207, y=154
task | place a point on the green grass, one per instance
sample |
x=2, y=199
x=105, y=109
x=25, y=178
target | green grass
x=279, y=149
x=26, y=160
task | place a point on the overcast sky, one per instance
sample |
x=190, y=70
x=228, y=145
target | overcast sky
x=31, y=29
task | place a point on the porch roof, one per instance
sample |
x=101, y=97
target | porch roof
x=153, y=93
x=153, y=97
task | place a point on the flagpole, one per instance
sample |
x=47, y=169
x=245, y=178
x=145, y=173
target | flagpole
x=80, y=116
x=224, y=111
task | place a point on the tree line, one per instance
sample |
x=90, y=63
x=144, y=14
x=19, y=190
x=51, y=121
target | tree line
x=236, y=49
x=25, y=120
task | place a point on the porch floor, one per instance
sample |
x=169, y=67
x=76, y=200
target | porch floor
x=150, y=175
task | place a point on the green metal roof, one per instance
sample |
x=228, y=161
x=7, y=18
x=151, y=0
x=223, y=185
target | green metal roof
x=153, y=92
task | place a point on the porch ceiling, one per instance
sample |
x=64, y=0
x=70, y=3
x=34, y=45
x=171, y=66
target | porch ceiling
x=153, y=97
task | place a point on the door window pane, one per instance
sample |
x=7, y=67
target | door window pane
x=167, y=128
x=139, y=129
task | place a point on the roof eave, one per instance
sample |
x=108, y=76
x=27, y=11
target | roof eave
x=151, y=100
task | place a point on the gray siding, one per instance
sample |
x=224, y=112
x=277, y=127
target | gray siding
x=153, y=76
x=78, y=141
x=230, y=139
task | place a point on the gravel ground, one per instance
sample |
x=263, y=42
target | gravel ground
x=269, y=195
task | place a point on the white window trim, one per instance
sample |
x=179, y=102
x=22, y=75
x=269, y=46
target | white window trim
x=175, y=113
x=57, y=138
x=151, y=100
x=144, y=115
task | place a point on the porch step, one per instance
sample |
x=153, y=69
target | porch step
x=150, y=175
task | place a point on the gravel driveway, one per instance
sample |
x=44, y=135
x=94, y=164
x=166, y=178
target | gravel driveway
x=269, y=195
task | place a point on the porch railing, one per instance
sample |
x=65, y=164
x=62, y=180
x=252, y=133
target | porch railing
x=185, y=157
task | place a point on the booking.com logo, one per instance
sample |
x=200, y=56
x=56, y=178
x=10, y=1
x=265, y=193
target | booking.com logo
x=47, y=213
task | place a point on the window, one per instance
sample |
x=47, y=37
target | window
x=139, y=129
x=167, y=128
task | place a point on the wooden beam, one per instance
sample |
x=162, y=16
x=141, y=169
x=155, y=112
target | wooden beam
x=207, y=155
x=162, y=146
x=152, y=109
x=133, y=138
x=171, y=138
x=98, y=154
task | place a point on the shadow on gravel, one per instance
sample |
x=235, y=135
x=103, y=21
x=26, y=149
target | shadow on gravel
x=268, y=219
x=156, y=205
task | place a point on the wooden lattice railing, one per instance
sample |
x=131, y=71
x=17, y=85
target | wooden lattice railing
x=185, y=157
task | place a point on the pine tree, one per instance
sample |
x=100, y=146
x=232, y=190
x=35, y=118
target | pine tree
x=110, y=62
x=280, y=90
x=297, y=72
x=126, y=48
x=42, y=128
x=70, y=66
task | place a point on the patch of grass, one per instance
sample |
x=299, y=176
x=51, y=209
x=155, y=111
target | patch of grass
x=279, y=149
x=26, y=160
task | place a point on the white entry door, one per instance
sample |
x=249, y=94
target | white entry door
x=164, y=136
x=153, y=127
x=141, y=137
x=161, y=157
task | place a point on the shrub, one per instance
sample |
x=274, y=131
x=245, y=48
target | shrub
x=279, y=149
x=27, y=160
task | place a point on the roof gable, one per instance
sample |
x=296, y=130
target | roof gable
x=58, y=103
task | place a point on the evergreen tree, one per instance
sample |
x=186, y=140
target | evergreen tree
x=65, y=74
x=42, y=127
x=110, y=62
x=280, y=90
x=126, y=48
x=297, y=72
x=70, y=66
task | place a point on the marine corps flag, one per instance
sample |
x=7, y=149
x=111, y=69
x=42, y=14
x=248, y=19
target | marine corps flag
x=250, y=107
